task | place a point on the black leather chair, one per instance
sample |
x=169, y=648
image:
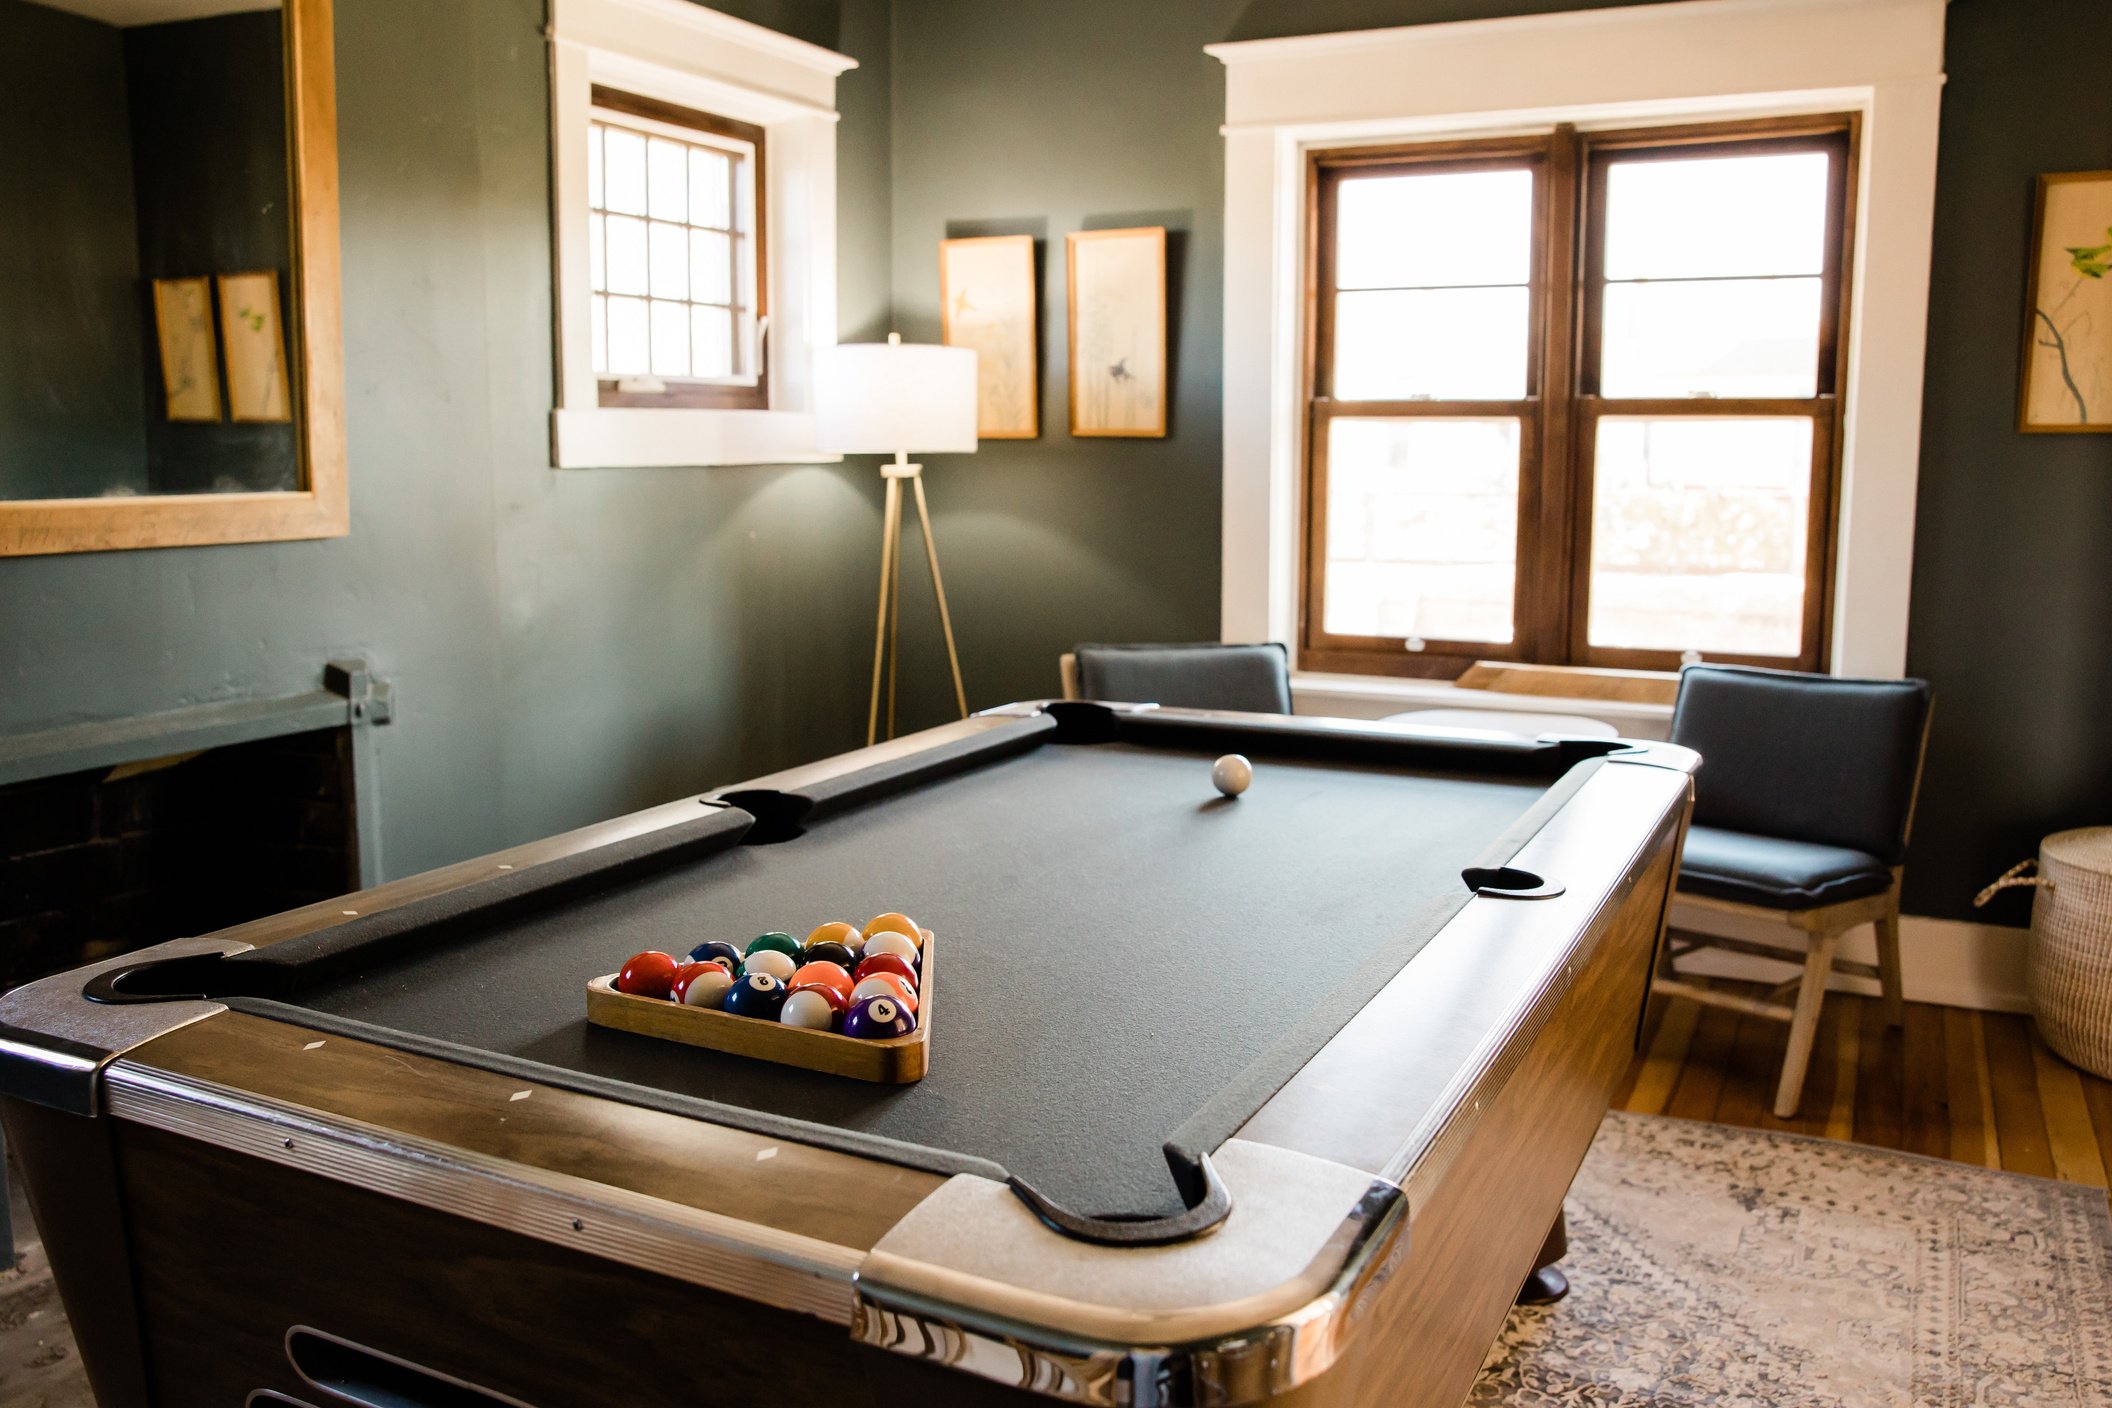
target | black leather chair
x=1801, y=812
x=1254, y=678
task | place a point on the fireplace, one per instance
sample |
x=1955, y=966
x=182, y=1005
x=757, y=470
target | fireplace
x=119, y=834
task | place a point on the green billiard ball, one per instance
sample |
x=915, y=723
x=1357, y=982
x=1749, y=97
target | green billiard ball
x=783, y=943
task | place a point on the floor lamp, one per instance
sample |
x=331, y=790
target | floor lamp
x=895, y=398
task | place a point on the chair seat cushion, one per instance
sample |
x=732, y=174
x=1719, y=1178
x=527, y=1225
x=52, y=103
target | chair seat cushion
x=1776, y=874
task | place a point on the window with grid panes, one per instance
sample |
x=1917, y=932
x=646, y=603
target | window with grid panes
x=1574, y=398
x=675, y=240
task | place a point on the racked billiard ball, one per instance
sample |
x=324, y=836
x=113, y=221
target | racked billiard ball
x=887, y=985
x=877, y=1019
x=718, y=948
x=829, y=951
x=776, y=963
x=836, y=999
x=809, y=1008
x=836, y=931
x=755, y=995
x=834, y=975
x=892, y=923
x=701, y=984
x=885, y=963
x=888, y=941
x=784, y=943
x=648, y=974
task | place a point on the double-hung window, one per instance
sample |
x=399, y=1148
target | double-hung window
x=1574, y=398
x=675, y=251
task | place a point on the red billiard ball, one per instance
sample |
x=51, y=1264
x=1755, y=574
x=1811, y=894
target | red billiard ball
x=648, y=974
x=837, y=1000
x=893, y=963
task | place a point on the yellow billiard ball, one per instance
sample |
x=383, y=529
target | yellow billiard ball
x=892, y=923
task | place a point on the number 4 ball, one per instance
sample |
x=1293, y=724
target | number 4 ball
x=1231, y=774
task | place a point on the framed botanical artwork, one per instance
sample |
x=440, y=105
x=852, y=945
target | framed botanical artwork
x=190, y=365
x=988, y=290
x=256, y=348
x=2067, y=375
x=1118, y=331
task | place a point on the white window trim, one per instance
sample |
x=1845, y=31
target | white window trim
x=1678, y=61
x=683, y=53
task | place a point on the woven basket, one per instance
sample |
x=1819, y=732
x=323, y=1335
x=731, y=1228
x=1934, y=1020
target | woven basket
x=2071, y=943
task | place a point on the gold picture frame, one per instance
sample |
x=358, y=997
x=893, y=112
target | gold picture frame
x=986, y=291
x=1117, y=289
x=190, y=361
x=2065, y=380
x=255, y=347
x=321, y=508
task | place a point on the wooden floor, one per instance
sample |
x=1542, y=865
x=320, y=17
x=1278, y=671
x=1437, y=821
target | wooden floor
x=1978, y=1087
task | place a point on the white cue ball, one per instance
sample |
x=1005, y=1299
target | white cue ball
x=1231, y=774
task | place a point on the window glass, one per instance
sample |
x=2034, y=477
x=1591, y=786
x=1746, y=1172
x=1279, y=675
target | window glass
x=1434, y=271
x=1698, y=534
x=1422, y=527
x=1713, y=270
x=670, y=250
x=1451, y=344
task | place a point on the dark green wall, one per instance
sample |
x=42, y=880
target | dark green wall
x=1041, y=117
x=566, y=646
x=71, y=358
x=2012, y=605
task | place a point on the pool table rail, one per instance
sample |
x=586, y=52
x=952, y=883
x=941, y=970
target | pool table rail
x=1503, y=1026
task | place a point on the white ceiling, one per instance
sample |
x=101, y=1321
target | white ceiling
x=124, y=13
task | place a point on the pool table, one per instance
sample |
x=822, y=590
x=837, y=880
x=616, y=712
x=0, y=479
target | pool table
x=1272, y=1098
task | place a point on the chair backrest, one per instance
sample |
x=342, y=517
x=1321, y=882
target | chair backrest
x=1256, y=678
x=1804, y=757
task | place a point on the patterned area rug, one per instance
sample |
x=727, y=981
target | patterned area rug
x=1713, y=1266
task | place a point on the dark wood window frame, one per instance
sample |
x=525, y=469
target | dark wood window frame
x=1559, y=414
x=689, y=392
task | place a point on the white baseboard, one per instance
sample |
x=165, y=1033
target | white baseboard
x=1947, y=961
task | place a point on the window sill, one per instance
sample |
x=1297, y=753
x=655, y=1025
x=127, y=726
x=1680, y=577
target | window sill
x=619, y=437
x=1376, y=697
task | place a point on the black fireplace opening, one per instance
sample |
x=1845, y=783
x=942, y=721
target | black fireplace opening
x=104, y=860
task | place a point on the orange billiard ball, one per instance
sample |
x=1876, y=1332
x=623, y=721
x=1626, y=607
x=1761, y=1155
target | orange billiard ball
x=887, y=985
x=826, y=974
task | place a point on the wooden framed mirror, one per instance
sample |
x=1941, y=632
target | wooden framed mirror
x=172, y=355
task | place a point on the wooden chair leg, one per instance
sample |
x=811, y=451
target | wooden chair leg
x=1804, y=1023
x=1888, y=969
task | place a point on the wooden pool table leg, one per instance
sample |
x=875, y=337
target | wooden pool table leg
x=1547, y=1284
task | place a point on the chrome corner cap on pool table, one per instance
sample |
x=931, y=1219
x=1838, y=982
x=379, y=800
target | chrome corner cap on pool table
x=1253, y=1310
x=54, y=1044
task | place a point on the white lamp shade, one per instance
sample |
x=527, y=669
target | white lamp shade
x=881, y=397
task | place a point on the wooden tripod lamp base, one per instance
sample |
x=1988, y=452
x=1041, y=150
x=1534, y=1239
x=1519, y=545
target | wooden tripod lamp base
x=890, y=398
x=884, y=643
